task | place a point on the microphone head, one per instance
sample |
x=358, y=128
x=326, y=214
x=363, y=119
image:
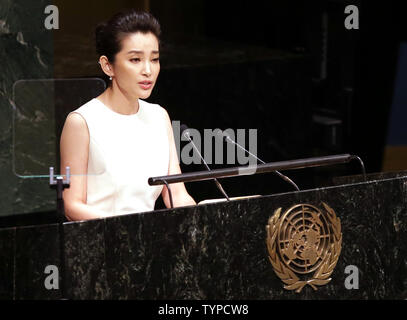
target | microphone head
x=184, y=130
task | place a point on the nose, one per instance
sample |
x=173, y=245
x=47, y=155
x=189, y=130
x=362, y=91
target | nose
x=147, y=68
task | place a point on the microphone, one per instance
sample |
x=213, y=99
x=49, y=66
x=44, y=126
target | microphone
x=185, y=132
x=225, y=136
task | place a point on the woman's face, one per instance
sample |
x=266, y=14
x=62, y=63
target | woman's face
x=137, y=65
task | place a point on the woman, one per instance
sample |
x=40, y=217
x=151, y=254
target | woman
x=116, y=141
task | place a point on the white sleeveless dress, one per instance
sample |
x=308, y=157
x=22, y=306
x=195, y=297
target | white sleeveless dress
x=124, y=151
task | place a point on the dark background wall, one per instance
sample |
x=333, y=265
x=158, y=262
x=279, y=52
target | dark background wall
x=289, y=69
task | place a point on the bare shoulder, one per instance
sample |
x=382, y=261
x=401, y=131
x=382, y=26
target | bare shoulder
x=74, y=119
x=75, y=123
x=75, y=131
x=74, y=143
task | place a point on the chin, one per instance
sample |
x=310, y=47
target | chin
x=145, y=95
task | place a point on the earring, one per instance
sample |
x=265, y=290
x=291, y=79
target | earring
x=110, y=78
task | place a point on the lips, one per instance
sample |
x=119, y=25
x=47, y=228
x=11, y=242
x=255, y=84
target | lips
x=146, y=84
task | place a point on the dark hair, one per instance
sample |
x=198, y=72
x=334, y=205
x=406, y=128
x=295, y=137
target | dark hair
x=108, y=35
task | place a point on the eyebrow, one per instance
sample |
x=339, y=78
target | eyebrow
x=139, y=51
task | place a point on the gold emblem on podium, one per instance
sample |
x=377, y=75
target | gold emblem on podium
x=304, y=244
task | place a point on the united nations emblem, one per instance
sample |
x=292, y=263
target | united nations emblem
x=303, y=241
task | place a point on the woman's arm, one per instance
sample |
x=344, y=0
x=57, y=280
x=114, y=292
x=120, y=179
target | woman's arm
x=74, y=149
x=180, y=195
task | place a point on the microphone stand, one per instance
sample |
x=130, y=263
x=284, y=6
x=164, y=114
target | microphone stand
x=59, y=183
x=186, y=135
x=284, y=177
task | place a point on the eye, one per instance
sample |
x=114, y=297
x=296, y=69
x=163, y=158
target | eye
x=135, y=59
x=156, y=59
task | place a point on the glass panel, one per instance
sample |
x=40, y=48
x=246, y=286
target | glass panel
x=40, y=108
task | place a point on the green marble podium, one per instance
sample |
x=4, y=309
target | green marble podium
x=211, y=251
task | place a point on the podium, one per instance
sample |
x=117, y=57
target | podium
x=212, y=251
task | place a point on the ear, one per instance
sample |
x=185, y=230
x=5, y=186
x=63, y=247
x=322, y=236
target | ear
x=106, y=66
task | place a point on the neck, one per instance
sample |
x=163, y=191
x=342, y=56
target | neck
x=119, y=102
